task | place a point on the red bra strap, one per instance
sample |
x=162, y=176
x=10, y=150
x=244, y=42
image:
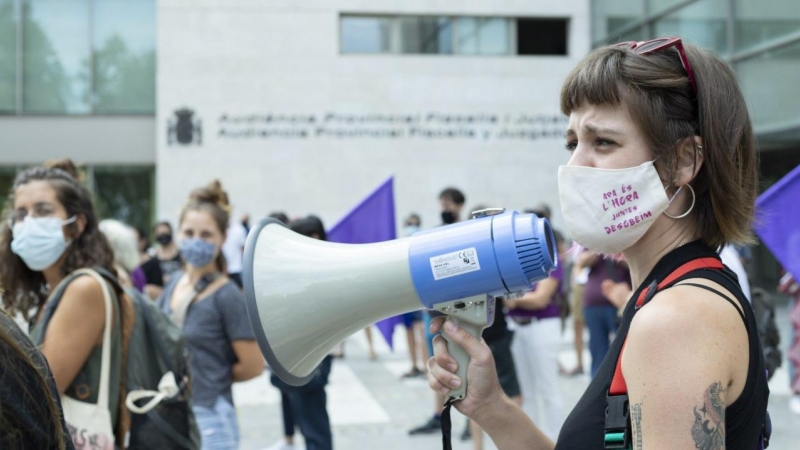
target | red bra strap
x=618, y=385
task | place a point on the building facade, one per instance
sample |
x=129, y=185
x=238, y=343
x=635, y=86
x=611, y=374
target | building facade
x=761, y=41
x=307, y=106
x=77, y=79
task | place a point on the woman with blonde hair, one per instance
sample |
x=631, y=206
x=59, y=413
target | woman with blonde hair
x=123, y=240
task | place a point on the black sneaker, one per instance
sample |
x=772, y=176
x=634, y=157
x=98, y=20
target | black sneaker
x=431, y=426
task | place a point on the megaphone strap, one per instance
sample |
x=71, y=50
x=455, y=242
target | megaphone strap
x=447, y=425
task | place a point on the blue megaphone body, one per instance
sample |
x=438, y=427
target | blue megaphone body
x=305, y=296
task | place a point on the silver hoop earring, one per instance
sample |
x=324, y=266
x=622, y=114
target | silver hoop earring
x=700, y=150
x=688, y=210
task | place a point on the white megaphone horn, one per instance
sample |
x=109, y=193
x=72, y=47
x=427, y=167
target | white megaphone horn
x=304, y=296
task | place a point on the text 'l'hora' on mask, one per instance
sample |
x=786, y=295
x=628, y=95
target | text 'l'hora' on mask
x=39, y=241
x=609, y=210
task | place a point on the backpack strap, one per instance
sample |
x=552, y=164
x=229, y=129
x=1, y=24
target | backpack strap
x=617, y=424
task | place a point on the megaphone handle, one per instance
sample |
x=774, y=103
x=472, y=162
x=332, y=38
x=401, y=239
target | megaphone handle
x=461, y=356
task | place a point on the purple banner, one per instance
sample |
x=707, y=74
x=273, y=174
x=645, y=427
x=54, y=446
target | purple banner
x=778, y=221
x=373, y=220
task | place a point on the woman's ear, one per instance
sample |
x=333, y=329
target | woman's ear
x=79, y=226
x=689, y=160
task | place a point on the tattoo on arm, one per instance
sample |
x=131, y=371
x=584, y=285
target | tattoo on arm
x=708, y=430
x=636, y=416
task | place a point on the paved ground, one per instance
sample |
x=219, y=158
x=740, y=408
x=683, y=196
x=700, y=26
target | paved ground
x=372, y=408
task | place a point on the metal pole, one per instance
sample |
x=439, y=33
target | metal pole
x=19, y=60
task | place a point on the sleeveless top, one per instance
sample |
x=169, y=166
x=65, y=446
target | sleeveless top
x=583, y=429
x=86, y=385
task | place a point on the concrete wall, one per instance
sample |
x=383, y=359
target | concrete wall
x=87, y=139
x=288, y=123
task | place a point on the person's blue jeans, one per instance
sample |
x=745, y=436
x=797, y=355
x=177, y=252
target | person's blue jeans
x=219, y=428
x=602, y=322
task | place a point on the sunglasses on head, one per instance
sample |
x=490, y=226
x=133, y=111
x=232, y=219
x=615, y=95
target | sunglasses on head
x=658, y=44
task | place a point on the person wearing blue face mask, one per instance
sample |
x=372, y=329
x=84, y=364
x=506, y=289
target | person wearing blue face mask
x=49, y=238
x=210, y=308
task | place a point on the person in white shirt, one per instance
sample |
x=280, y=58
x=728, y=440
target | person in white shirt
x=730, y=257
x=233, y=248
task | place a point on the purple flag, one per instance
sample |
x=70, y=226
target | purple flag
x=373, y=220
x=778, y=221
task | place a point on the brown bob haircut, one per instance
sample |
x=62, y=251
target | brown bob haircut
x=661, y=101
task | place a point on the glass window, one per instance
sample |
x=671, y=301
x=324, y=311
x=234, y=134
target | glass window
x=125, y=193
x=542, y=36
x=612, y=16
x=467, y=35
x=703, y=23
x=366, y=34
x=494, y=37
x=426, y=35
x=483, y=36
x=759, y=22
x=56, y=56
x=8, y=55
x=124, y=56
x=7, y=175
x=637, y=34
x=769, y=83
x=634, y=34
x=657, y=6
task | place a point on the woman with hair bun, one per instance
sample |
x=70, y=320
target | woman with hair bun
x=211, y=310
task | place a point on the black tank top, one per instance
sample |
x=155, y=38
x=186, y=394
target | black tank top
x=583, y=429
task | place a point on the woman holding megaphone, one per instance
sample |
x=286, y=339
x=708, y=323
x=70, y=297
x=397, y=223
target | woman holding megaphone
x=663, y=170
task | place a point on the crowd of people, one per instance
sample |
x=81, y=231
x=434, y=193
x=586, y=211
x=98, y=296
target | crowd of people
x=83, y=284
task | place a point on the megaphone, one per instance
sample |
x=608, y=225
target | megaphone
x=304, y=296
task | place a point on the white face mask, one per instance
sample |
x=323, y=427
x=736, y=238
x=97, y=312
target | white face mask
x=408, y=230
x=609, y=210
x=39, y=241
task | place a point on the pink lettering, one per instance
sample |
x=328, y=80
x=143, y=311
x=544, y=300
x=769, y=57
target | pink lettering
x=629, y=222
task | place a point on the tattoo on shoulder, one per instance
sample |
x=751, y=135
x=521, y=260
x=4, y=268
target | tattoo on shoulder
x=636, y=416
x=708, y=430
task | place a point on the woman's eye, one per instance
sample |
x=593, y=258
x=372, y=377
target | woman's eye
x=604, y=142
x=571, y=146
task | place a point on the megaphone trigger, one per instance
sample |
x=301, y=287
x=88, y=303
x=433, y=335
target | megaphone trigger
x=473, y=315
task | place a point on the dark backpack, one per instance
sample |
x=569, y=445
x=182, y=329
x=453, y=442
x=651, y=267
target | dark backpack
x=764, y=309
x=156, y=349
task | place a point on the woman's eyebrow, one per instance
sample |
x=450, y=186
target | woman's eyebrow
x=600, y=130
x=593, y=129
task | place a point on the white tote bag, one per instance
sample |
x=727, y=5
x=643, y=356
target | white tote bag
x=90, y=424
